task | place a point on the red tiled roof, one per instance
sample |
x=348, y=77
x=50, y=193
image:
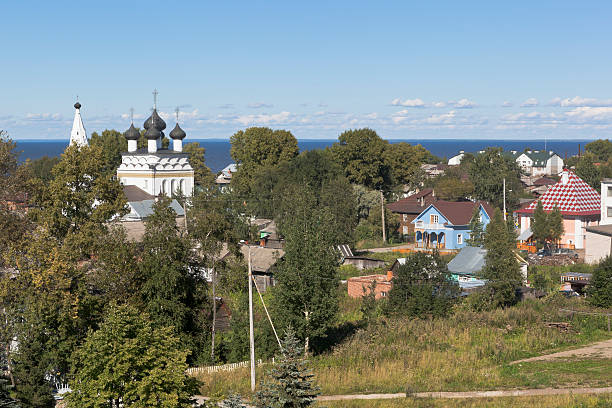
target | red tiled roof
x=460, y=212
x=574, y=197
x=412, y=204
x=133, y=193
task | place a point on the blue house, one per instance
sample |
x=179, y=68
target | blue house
x=445, y=224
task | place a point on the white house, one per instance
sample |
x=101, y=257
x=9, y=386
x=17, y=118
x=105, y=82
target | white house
x=539, y=162
x=456, y=160
x=606, y=202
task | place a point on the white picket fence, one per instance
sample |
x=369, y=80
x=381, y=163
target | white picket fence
x=224, y=367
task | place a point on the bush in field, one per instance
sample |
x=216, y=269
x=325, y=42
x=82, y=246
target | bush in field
x=422, y=286
x=600, y=290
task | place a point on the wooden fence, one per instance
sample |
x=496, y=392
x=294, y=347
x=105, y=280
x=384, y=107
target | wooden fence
x=224, y=367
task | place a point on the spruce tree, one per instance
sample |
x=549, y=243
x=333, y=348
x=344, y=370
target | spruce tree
x=501, y=268
x=539, y=224
x=173, y=290
x=476, y=238
x=292, y=384
x=233, y=401
x=555, y=225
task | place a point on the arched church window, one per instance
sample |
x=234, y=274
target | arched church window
x=173, y=187
x=163, y=187
x=182, y=186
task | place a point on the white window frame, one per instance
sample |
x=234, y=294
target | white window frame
x=433, y=218
x=610, y=191
x=459, y=239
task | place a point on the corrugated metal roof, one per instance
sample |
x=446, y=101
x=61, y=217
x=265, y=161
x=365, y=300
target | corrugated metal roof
x=468, y=261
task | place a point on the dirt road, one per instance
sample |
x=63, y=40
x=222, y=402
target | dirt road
x=603, y=349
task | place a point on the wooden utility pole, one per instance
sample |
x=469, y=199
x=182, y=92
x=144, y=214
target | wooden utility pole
x=382, y=210
x=251, y=334
x=504, y=199
x=214, y=299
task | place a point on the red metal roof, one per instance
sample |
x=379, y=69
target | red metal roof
x=460, y=212
x=571, y=194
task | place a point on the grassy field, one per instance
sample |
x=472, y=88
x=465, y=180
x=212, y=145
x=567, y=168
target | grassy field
x=465, y=352
x=560, y=401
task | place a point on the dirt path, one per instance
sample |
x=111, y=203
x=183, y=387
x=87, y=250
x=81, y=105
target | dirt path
x=472, y=394
x=603, y=349
x=461, y=395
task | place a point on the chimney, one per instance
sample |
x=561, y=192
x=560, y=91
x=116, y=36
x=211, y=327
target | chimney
x=389, y=276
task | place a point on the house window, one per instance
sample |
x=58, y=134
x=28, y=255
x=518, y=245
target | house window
x=433, y=218
x=609, y=211
x=459, y=239
x=405, y=230
x=405, y=217
x=383, y=294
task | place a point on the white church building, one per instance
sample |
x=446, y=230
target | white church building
x=148, y=172
x=156, y=170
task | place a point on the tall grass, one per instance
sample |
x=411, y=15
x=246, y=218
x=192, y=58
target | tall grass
x=459, y=353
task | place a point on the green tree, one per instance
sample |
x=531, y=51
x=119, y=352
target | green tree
x=292, y=382
x=555, y=222
x=404, y=161
x=306, y=294
x=256, y=148
x=31, y=367
x=601, y=149
x=130, y=362
x=453, y=189
x=501, y=268
x=599, y=290
x=112, y=143
x=422, y=287
x=233, y=401
x=476, y=228
x=487, y=173
x=587, y=171
x=173, y=290
x=201, y=173
x=361, y=153
x=42, y=168
x=539, y=224
x=547, y=228
x=81, y=197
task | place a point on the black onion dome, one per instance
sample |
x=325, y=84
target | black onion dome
x=77, y=105
x=156, y=120
x=152, y=133
x=132, y=133
x=178, y=133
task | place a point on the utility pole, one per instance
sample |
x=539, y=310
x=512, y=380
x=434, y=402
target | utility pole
x=214, y=299
x=382, y=210
x=504, y=199
x=251, y=335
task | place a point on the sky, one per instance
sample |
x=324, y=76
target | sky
x=429, y=69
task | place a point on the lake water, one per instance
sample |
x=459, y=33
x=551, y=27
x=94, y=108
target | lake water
x=218, y=156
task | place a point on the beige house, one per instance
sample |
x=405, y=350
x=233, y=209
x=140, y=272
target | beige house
x=600, y=243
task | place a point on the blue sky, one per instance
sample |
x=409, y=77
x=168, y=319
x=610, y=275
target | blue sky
x=432, y=69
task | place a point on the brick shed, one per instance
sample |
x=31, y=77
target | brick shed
x=361, y=285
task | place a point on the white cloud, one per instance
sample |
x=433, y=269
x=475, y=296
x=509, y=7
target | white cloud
x=409, y=103
x=258, y=105
x=43, y=117
x=593, y=115
x=264, y=119
x=578, y=101
x=438, y=104
x=530, y=103
x=464, y=104
x=442, y=119
x=507, y=104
